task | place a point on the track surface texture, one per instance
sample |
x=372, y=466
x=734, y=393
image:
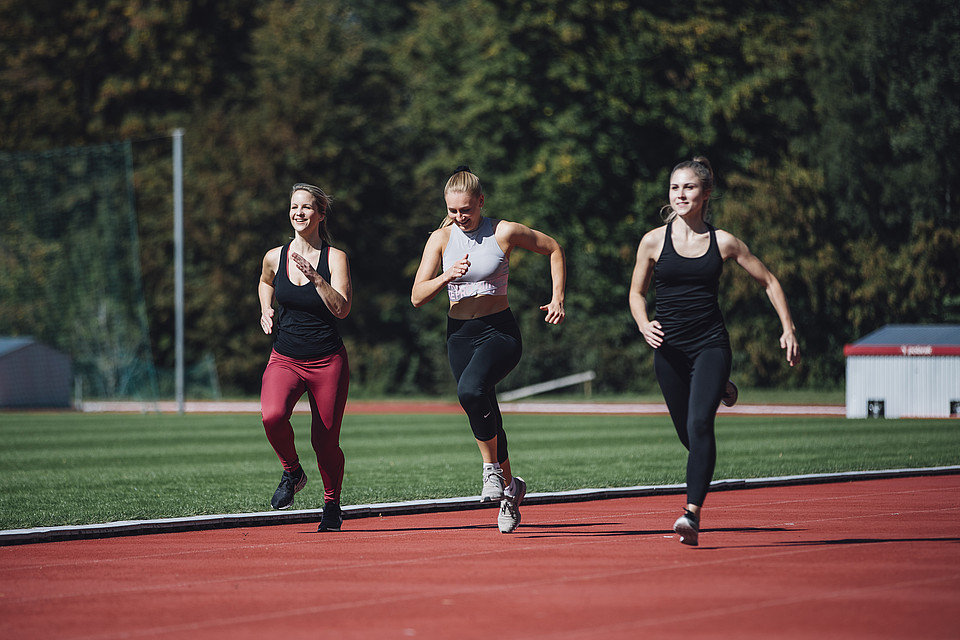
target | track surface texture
x=863, y=559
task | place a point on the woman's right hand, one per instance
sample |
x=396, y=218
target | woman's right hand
x=458, y=270
x=652, y=333
x=266, y=321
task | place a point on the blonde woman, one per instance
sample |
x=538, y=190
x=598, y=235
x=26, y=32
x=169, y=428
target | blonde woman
x=469, y=258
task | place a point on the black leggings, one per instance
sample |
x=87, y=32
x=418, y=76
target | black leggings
x=482, y=351
x=692, y=386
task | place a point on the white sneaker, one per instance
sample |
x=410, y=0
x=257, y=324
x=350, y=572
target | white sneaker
x=509, y=518
x=688, y=526
x=492, y=489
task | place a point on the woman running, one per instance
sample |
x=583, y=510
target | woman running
x=692, y=354
x=472, y=255
x=310, y=281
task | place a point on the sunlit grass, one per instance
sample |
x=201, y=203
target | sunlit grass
x=69, y=468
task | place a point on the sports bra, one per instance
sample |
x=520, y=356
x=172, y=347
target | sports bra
x=489, y=267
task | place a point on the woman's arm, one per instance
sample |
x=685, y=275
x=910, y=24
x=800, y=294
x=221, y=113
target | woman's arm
x=733, y=247
x=640, y=286
x=336, y=294
x=518, y=235
x=427, y=284
x=265, y=289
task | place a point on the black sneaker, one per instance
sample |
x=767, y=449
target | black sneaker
x=730, y=394
x=290, y=483
x=332, y=518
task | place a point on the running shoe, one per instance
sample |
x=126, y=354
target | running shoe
x=332, y=518
x=509, y=518
x=492, y=489
x=290, y=484
x=688, y=526
x=730, y=394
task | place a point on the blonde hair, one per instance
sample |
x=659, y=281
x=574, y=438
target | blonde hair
x=704, y=172
x=462, y=180
x=321, y=200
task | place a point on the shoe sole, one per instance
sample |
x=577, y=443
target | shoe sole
x=323, y=529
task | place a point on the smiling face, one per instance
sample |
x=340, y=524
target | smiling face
x=464, y=210
x=305, y=213
x=687, y=195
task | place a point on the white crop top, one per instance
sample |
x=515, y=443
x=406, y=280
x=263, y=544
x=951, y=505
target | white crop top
x=489, y=267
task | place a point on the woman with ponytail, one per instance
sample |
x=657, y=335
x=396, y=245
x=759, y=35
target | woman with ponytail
x=471, y=254
x=684, y=259
x=310, y=282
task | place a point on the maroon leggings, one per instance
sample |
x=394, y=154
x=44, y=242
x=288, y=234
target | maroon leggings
x=325, y=380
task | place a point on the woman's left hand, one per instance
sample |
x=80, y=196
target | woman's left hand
x=555, y=313
x=788, y=342
x=305, y=267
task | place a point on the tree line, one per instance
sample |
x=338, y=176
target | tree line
x=833, y=126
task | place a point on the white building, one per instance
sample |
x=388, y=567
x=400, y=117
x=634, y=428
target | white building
x=904, y=371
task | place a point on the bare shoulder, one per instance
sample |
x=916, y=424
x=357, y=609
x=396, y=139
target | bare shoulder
x=439, y=236
x=730, y=245
x=652, y=241
x=271, y=262
x=655, y=235
x=338, y=256
x=506, y=229
x=272, y=257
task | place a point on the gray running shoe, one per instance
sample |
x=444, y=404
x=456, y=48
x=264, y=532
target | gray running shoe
x=509, y=518
x=492, y=485
x=688, y=526
x=290, y=484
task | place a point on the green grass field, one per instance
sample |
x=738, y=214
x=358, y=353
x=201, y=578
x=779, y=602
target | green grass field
x=70, y=468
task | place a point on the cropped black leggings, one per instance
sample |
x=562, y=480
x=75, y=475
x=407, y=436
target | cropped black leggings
x=482, y=351
x=692, y=386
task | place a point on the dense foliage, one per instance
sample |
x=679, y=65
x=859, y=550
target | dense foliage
x=834, y=127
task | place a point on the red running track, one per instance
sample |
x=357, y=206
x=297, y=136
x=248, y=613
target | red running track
x=863, y=559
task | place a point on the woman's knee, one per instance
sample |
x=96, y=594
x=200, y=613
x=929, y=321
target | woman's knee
x=701, y=433
x=274, y=415
x=471, y=396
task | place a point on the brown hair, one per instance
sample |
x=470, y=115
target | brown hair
x=704, y=172
x=321, y=200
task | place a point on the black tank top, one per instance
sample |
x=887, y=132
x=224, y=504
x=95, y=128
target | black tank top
x=686, y=296
x=306, y=329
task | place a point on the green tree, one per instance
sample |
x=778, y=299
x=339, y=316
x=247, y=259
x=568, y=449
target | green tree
x=100, y=70
x=317, y=109
x=888, y=140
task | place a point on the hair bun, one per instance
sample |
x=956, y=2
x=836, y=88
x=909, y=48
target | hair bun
x=462, y=167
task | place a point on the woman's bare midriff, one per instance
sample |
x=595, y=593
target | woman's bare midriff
x=477, y=307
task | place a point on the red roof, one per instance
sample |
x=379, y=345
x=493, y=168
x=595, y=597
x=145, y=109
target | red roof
x=908, y=340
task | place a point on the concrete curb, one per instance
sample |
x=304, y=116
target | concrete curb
x=270, y=518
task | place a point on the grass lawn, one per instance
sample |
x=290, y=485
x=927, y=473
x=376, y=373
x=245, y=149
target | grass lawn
x=72, y=468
